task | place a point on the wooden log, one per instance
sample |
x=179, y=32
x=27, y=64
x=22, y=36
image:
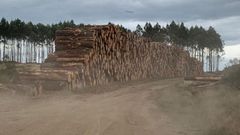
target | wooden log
x=204, y=78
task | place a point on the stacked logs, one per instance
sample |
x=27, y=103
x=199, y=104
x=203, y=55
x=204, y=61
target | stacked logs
x=103, y=54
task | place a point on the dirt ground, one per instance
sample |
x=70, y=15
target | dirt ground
x=162, y=107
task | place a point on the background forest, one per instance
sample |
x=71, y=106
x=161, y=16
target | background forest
x=26, y=42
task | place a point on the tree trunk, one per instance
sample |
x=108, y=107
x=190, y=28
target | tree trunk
x=13, y=51
x=20, y=48
x=31, y=53
x=0, y=53
x=213, y=62
x=42, y=54
x=26, y=52
x=4, y=46
x=218, y=57
x=209, y=60
x=34, y=53
x=17, y=51
x=203, y=57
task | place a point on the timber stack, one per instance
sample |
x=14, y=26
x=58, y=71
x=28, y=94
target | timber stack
x=107, y=53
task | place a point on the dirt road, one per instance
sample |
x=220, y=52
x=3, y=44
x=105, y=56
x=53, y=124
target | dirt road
x=164, y=107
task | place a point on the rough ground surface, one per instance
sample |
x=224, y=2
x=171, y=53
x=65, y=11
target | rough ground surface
x=164, y=107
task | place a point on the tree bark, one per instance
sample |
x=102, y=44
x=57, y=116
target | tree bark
x=203, y=58
x=4, y=49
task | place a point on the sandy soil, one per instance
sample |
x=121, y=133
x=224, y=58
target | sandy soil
x=164, y=107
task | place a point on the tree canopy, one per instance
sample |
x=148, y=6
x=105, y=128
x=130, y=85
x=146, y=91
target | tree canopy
x=182, y=36
x=37, y=33
x=195, y=39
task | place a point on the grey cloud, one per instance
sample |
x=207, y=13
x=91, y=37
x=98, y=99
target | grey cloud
x=228, y=27
x=213, y=12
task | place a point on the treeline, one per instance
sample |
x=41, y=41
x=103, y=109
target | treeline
x=35, y=41
x=36, y=33
x=203, y=44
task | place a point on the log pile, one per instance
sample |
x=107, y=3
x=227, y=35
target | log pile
x=103, y=54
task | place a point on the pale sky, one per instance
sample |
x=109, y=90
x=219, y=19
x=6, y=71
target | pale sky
x=232, y=51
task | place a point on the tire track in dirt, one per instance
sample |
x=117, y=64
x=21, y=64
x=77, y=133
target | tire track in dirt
x=162, y=107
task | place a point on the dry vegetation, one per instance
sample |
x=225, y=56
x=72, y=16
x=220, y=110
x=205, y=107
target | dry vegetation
x=232, y=76
x=229, y=122
x=8, y=72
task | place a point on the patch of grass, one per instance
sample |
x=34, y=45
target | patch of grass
x=8, y=72
x=227, y=125
x=229, y=121
x=232, y=76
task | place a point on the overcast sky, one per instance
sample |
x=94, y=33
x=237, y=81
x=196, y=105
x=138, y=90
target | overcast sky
x=224, y=15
